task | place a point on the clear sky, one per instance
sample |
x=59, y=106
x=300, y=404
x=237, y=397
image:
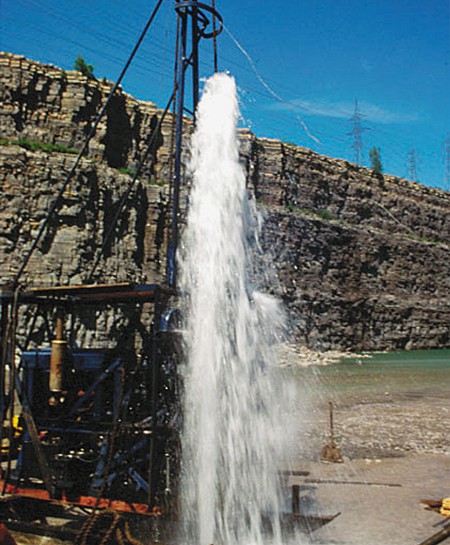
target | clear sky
x=310, y=61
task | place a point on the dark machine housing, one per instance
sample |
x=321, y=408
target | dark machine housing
x=95, y=427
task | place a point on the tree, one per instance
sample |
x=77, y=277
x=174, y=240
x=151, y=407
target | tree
x=82, y=66
x=375, y=160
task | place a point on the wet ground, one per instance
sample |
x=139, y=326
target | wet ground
x=394, y=436
x=392, y=426
x=378, y=500
x=395, y=453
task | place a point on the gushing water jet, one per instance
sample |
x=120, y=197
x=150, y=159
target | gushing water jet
x=231, y=448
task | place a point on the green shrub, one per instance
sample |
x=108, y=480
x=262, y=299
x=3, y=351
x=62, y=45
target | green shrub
x=154, y=181
x=375, y=160
x=325, y=214
x=127, y=170
x=82, y=66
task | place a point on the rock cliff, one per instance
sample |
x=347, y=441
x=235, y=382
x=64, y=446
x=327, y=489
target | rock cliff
x=360, y=260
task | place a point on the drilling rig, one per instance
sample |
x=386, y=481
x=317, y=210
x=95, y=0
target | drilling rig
x=89, y=427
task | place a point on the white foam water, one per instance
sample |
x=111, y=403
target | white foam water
x=231, y=446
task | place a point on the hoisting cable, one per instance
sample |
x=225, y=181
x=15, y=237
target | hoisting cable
x=125, y=196
x=105, y=528
x=213, y=5
x=84, y=147
x=174, y=110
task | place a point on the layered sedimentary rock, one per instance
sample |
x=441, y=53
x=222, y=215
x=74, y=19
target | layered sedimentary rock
x=77, y=230
x=41, y=104
x=360, y=260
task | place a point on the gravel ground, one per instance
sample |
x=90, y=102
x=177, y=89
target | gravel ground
x=388, y=428
x=396, y=451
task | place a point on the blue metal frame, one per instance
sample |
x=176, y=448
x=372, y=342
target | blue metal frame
x=193, y=12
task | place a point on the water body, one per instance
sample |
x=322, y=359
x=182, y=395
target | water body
x=391, y=404
x=402, y=374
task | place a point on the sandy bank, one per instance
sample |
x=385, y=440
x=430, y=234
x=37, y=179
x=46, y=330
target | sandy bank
x=300, y=356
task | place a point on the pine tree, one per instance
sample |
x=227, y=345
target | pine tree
x=375, y=160
x=82, y=66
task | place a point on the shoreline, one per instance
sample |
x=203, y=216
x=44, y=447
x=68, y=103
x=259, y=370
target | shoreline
x=295, y=355
x=292, y=355
x=393, y=435
x=377, y=425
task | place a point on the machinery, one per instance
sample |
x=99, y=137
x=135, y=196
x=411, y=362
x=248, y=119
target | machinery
x=100, y=427
x=96, y=427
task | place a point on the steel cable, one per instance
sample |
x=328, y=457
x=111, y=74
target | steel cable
x=84, y=147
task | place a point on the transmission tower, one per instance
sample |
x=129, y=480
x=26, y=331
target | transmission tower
x=447, y=163
x=356, y=132
x=412, y=165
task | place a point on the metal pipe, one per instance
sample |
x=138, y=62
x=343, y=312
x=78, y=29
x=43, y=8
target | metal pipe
x=4, y=321
x=199, y=22
x=181, y=78
x=331, y=423
x=296, y=499
x=438, y=537
x=58, y=359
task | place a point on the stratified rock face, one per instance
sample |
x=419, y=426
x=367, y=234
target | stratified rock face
x=41, y=103
x=44, y=103
x=75, y=233
x=360, y=260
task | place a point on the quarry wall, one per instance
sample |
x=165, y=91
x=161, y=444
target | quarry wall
x=360, y=260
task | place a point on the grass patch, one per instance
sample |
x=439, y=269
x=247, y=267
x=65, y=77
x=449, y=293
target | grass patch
x=419, y=238
x=154, y=181
x=291, y=208
x=325, y=214
x=297, y=210
x=33, y=145
x=128, y=171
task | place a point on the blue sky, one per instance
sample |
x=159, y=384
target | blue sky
x=309, y=61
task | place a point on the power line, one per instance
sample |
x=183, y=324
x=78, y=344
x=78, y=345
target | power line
x=74, y=33
x=447, y=163
x=268, y=88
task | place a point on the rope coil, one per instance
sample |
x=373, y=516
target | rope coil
x=106, y=528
